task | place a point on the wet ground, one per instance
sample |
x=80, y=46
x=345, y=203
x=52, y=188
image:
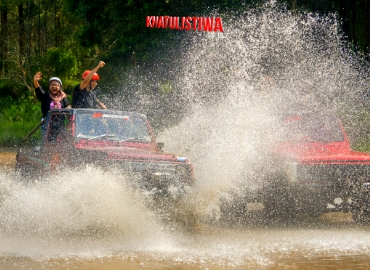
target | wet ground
x=332, y=241
x=7, y=157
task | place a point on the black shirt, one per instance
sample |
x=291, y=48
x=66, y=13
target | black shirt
x=45, y=99
x=84, y=98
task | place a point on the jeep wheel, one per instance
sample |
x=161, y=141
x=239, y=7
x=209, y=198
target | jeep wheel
x=279, y=204
x=361, y=210
x=233, y=212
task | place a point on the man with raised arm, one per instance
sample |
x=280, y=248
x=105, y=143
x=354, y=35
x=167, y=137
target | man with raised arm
x=83, y=95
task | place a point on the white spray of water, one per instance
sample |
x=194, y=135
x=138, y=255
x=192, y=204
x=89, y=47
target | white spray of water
x=221, y=144
x=89, y=211
x=267, y=62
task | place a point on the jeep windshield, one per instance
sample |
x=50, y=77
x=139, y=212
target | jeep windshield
x=310, y=128
x=92, y=125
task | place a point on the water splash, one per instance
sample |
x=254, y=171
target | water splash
x=84, y=209
x=269, y=60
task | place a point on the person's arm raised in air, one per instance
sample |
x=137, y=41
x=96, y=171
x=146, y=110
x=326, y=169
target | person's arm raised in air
x=89, y=76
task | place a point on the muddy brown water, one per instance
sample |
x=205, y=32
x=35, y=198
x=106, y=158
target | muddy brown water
x=332, y=241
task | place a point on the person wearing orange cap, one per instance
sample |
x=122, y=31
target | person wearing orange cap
x=83, y=95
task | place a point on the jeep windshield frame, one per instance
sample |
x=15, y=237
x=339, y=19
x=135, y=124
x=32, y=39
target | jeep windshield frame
x=112, y=126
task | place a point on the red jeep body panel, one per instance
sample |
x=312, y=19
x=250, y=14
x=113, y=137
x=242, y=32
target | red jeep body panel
x=329, y=153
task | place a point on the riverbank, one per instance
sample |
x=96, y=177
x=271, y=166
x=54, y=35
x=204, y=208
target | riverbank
x=7, y=157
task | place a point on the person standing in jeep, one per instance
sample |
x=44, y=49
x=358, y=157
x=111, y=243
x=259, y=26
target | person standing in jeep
x=83, y=95
x=55, y=98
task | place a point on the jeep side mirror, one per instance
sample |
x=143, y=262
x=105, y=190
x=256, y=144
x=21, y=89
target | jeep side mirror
x=160, y=146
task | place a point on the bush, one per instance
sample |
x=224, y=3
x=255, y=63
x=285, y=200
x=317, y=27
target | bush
x=12, y=133
x=23, y=109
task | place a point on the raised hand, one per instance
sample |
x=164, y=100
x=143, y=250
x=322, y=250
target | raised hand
x=38, y=76
x=101, y=64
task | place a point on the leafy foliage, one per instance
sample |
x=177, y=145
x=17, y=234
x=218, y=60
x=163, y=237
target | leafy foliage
x=59, y=62
x=23, y=109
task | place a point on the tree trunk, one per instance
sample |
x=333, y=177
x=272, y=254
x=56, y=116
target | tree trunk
x=58, y=24
x=294, y=4
x=4, y=40
x=21, y=31
x=39, y=30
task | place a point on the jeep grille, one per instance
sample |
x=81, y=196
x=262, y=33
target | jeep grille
x=329, y=174
x=179, y=172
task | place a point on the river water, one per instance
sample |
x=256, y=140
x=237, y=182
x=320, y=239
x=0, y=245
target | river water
x=65, y=224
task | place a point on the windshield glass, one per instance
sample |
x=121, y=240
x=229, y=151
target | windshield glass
x=311, y=128
x=108, y=126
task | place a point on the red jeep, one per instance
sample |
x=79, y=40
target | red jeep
x=111, y=140
x=312, y=169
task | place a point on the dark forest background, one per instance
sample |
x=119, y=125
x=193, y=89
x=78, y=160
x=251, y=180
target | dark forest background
x=64, y=37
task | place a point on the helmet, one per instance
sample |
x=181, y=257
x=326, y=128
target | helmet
x=55, y=79
x=95, y=77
